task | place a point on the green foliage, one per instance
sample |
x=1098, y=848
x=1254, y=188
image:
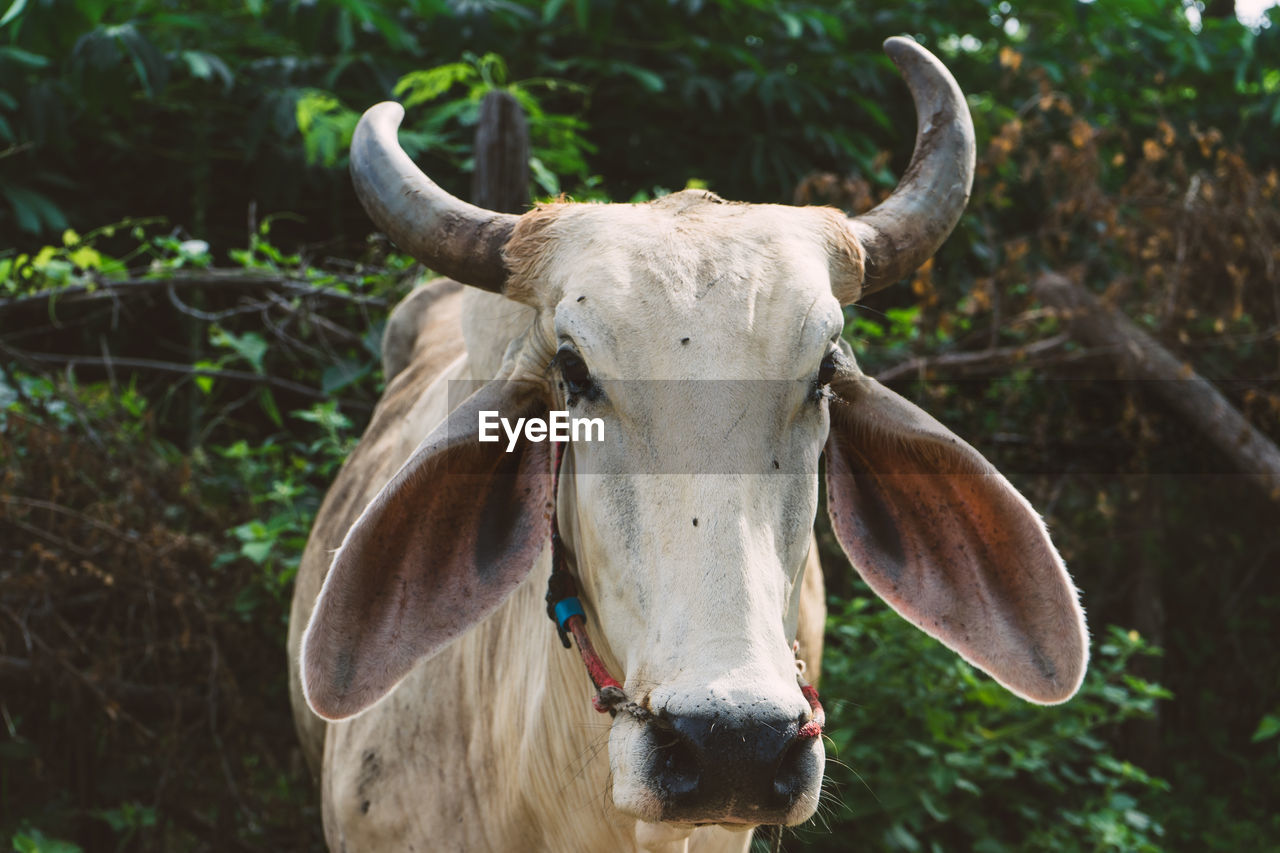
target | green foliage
x=31, y=840
x=76, y=263
x=285, y=478
x=127, y=820
x=928, y=754
x=230, y=514
x=557, y=145
x=885, y=337
x=747, y=95
x=326, y=127
x=1268, y=728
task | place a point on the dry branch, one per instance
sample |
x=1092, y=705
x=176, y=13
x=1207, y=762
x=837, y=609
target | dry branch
x=1099, y=325
x=982, y=360
x=101, y=289
x=18, y=673
x=173, y=367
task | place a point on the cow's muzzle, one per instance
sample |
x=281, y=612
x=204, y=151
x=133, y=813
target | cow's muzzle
x=710, y=767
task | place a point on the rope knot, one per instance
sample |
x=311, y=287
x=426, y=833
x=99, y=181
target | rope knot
x=813, y=728
x=608, y=698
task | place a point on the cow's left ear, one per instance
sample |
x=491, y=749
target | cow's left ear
x=948, y=542
x=441, y=546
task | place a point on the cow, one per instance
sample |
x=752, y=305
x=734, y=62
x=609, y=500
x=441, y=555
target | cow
x=434, y=700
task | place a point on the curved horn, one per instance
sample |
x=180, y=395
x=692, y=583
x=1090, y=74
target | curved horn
x=450, y=236
x=905, y=229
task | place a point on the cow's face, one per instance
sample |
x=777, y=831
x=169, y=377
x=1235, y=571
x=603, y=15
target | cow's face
x=704, y=336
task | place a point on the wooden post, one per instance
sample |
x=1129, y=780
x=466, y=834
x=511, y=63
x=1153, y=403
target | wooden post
x=501, y=179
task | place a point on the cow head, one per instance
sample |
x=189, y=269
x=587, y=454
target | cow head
x=706, y=337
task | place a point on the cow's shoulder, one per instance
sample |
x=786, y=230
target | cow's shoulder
x=431, y=306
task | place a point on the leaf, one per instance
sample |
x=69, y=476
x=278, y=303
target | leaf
x=206, y=66
x=372, y=339
x=250, y=346
x=795, y=28
x=326, y=415
x=147, y=62
x=937, y=813
x=14, y=11
x=35, y=841
x=418, y=87
x=551, y=9
x=340, y=375
x=325, y=124
x=258, y=552
x=874, y=111
x=203, y=381
x=902, y=838
x=8, y=396
x=544, y=177
x=268, y=403
x=24, y=57
x=33, y=210
x=86, y=258
x=197, y=64
x=651, y=82
x=1268, y=727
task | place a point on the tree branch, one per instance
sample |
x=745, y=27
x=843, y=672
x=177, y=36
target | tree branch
x=1139, y=354
x=981, y=360
x=101, y=288
x=174, y=367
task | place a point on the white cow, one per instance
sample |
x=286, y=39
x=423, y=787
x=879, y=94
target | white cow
x=431, y=692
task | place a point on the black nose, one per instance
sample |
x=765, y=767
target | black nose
x=714, y=768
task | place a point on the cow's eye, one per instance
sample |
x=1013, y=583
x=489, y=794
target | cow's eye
x=827, y=370
x=577, y=378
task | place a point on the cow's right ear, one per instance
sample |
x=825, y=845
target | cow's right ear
x=948, y=542
x=441, y=546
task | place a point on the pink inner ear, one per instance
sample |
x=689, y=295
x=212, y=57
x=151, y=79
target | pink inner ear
x=946, y=541
x=440, y=547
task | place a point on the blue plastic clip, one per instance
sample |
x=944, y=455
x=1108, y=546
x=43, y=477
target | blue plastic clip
x=567, y=607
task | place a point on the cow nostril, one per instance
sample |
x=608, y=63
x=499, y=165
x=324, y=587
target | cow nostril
x=795, y=768
x=676, y=763
x=754, y=768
